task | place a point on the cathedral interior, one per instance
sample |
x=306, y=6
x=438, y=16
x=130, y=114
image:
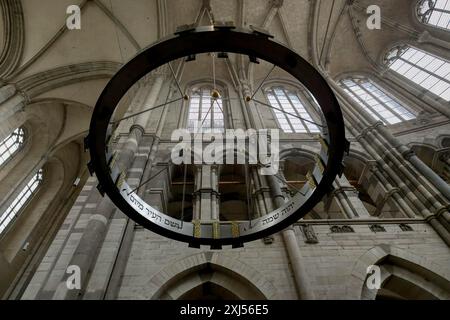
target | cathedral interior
x=389, y=210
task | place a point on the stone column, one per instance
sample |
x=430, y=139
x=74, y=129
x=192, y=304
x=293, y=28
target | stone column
x=347, y=196
x=293, y=250
x=395, y=193
x=421, y=167
x=206, y=193
x=381, y=146
x=86, y=251
x=261, y=193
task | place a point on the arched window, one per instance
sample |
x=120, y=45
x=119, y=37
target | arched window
x=426, y=70
x=206, y=111
x=20, y=201
x=435, y=13
x=11, y=144
x=285, y=105
x=375, y=101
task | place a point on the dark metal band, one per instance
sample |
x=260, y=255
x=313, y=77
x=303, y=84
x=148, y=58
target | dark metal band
x=203, y=40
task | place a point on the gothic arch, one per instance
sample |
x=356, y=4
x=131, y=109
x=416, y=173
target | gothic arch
x=305, y=151
x=43, y=214
x=14, y=35
x=419, y=272
x=44, y=138
x=424, y=28
x=44, y=81
x=233, y=275
x=283, y=81
x=303, y=94
x=421, y=45
x=432, y=156
x=222, y=86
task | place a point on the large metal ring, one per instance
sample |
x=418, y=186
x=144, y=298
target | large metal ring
x=204, y=40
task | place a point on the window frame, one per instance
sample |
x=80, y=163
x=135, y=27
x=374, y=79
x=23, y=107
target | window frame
x=199, y=89
x=396, y=53
x=306, y=103
x=370, y=109
x=31, y=188
x=21, y=133
x=422, y=16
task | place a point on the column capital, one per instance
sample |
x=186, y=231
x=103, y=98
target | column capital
x=365, y=131
x=408, y=154
x=442, y=210
x=344, y=190
x=137, y=127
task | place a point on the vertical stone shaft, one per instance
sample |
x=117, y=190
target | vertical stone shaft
x=90, y=242
x=293, y=250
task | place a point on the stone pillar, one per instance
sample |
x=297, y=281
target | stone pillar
x=295, y=257
x=248, y=119
x=206, y=193
x=384, y=148
x=249, y=106
x=395, y=193
x=85, y=253
x=347, y=196
x=261, y=193
x=407, y=156
x=293, y=250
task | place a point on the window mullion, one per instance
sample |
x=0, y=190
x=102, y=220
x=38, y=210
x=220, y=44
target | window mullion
x=425, y=70
x=296, y=111
x=384, y=104
x=375, y=98
x=359, y=98
x=284, y=113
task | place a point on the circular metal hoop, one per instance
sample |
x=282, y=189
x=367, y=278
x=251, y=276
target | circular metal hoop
x=204, y=40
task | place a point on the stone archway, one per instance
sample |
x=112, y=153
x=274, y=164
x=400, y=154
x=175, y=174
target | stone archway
x=226, y=278
x=403, y=276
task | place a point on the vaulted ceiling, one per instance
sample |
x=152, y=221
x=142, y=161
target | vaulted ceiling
x=114, y=30
x=331, y=33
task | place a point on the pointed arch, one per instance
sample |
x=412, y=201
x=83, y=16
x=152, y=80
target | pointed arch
x=395, y=263
x=14, y=35
x=180, y=277
x=41, y=82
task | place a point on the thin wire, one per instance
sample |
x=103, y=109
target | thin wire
x=176, y=80
x=219, y=106
x=160, y=106
x=203, y=122
x=211, y=18
x=288, y=184
x=146, y=110
x=147, y=181
x=262, y=82
x=288, y=113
